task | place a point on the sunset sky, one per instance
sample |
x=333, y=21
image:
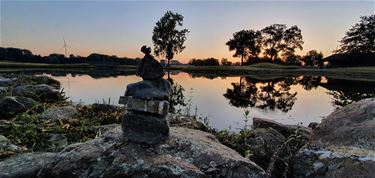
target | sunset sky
x=122, y=27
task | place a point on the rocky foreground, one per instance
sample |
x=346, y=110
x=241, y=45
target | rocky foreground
x=45, y=136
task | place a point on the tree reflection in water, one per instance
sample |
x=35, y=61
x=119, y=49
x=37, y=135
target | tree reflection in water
x=264, y=94
x=344, y=92
x=275, y=93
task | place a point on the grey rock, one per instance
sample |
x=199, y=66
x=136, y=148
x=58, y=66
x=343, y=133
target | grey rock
x=352, y=125
x=57, y=142
x=24, y=165
x=285, y=130
x=41, y=92
x=148, y=129
x=101, y=129
x=3, y=91
x=186, y=153
x=104, y=108
x=5, y=125
x=10, y=106
x=149, y=89
x=150, y=69
x=59, y=113
x=7, y=148
x=45, y=80
x=6, y=81
x=263, y=143
x=191, y=122
x=342, y=146
x=333, y=163
x=145, y=105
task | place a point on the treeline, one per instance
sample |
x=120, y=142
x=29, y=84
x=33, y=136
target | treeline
x=311, y=59
x=24, y=55
x=277, y=44
x=204, y=62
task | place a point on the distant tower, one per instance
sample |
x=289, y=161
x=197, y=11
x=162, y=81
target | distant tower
x=66, y=53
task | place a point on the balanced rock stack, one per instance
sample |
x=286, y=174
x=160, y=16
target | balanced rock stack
x=147, y=104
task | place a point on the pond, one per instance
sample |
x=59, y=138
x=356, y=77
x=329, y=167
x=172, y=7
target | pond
x=223, y=100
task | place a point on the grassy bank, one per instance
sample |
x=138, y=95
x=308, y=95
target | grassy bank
x=9, y=64
x=267, y=70
x=260, y=70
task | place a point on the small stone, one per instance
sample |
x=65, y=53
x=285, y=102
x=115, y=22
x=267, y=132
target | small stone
x=7, y=148
x=103, y=108
x=6, y=81
x=3, y=91
x=145, y=105
x=58, y=142
x=150, y=89
x=149, y=69
x=148, y=129
x=11, y=106
x=59, y=113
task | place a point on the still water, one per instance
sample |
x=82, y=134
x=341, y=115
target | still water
x=292, y=100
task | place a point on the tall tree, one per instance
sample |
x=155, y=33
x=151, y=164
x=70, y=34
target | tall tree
x=278, y=38
x=313, y=58
x=246, y=43
x=167, y=38
x=360, y=38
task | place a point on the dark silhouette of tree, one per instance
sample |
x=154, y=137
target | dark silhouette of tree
x=167, y=39
x=242, y=95
x=270, y=94
x=360, y=38
x=310, y=82
x=313, y=58
x=225, y=62
x=278, y=38
x=177, y=97
x=204, y=62
x=292, y=59
x=345, y=92
x=246, y=43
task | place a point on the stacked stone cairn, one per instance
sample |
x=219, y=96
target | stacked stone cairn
x=146, y=104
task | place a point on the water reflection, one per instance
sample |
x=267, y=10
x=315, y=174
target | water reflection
x=344, y=92
x=290, y=100
x=264, y=94
x=276, y=93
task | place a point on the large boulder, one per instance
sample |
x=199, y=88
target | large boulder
x=352, y=125
x=10, y=106
x=286, y=130
x=24, y=165
x=59, y=113
x=40, y=92
x=262, y=144
x=343, y=145
x=186, y=153
x=333, y=163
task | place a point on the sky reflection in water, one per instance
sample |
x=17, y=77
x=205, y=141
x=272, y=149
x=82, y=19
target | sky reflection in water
x=292, y=100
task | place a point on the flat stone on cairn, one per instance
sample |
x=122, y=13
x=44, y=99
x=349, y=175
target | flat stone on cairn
x=147, y=104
